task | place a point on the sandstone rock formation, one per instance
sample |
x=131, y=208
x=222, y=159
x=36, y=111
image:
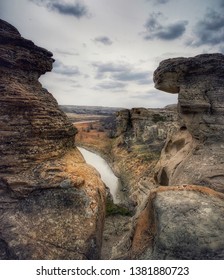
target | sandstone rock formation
x=184, y=218
x=177, y=223
x=51, y=201
x=141, y=134
x=145, y=126
x=195, y=153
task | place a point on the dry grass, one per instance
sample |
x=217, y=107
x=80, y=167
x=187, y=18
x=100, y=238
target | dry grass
x=91, y=135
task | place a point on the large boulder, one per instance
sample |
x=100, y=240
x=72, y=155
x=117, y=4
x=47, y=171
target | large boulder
x=51, y=201
x=177, y=223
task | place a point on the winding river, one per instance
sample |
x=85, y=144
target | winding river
x=106, y=173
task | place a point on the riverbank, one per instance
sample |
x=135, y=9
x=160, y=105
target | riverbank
x=118, y=218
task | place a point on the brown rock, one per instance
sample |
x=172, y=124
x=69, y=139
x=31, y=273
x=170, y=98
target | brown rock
x=186, y=221
x=32, y=126
x=141, y=135
x=177, y=223
x=194, y=153
x=51, y=201
x=199, y=82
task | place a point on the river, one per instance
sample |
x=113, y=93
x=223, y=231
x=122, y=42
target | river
x=106, y=173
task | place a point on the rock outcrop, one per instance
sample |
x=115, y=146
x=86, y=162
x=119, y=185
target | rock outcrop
x=182, y=217
x=140, y=137
x=177, y=223
x=51, y=201
x=145, y=126
x=194, y=154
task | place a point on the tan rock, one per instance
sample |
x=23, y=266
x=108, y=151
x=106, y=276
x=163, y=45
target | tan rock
x=194, y=153
x=52, y=204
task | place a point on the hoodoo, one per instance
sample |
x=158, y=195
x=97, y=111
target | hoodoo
x=51, y=201
x=182, y=217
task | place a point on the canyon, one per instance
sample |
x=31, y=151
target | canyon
x=53, y=205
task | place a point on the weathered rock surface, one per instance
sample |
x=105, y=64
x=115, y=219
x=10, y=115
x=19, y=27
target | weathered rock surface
x=177, y=223
x=199, y=82
x=184, y=219
x=195, y=152
x=145, y=126
x=51, y=201
x=141, y=135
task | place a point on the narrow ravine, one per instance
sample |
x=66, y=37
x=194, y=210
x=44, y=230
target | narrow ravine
x=115, y=225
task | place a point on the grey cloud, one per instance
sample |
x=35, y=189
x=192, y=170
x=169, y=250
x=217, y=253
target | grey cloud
x=221, y=3
x=110, y=85
x=156, y=30
x=76, y=9
x=221, y=49
x=138, y=77
x=104, y=40
x=210, y=29
x=104, y=69
x=156, y=99
x=65, y=52
x=122, y=73
x=110, y=67
x=158, y=1
x=62, y=69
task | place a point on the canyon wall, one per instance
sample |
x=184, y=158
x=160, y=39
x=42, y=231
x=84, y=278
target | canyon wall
x=181, y=217
x=140, y=136
x=51, y=201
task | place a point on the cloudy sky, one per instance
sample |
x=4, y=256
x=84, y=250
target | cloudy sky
x=106, y=50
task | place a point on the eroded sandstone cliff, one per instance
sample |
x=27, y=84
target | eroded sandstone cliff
x=182, y=216
x=51, y=201
x=140, y=137
x=194, y=153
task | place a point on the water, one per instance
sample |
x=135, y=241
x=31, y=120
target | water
x=107, y=175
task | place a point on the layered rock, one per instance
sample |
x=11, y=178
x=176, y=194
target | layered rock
x=184, y=218
x=195, y=153
x=32, y=126
x=199, y=83
x=145, y=126
x=51, y=202
x=141, y=134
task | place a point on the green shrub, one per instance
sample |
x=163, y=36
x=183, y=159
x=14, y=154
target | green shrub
x=158, y=118
x=114, y=209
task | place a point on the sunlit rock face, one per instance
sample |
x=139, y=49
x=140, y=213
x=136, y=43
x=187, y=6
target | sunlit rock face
x=51, y=201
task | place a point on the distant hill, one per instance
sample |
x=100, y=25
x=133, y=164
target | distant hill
x=89, y=110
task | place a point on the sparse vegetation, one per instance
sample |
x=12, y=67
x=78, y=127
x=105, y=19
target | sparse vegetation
x=114, y=209
x=158, y=118
x=144, y=153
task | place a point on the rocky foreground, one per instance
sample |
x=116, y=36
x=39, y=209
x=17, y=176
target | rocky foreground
x=52, y=204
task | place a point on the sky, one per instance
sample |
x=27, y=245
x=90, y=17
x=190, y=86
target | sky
x=107, y=50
